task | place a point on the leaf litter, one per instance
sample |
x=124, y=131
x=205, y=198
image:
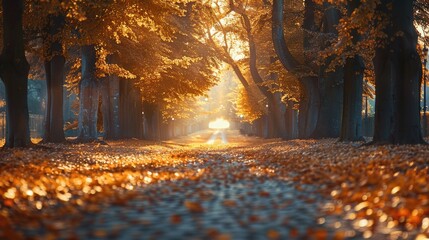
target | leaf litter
x=263, y=187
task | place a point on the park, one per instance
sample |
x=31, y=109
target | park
x=214, y=119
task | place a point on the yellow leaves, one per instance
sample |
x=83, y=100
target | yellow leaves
x=107, y=69
x=395, y=190
x=10, y=193
x=422, y=237
x=183, y=62
x=248, y=108
x=361, y=206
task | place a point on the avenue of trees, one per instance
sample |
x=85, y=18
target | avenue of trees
x=158, y=57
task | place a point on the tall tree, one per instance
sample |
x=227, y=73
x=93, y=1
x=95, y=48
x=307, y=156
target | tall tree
x=276, y=108
x=14, y=70
x=351, y=125
x=310, y=101
x=397, y=76
x=330, y=82
x=55, y=76
x=88, y=95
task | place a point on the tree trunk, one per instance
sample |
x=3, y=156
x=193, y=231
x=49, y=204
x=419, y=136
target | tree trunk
x=14, y=70
x=308, y=107
x=309, y=103
x=351, y=126
x=54, y=69
x=397, y=77
x=110, y=107
x=329, y=117
x=330, y=86
x=289, y=120
x=283, y=53
x=152, y=116
x=275, y=117
x=88, y=96
x=130, y=110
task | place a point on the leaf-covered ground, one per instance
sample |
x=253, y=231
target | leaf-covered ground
x=186, y=189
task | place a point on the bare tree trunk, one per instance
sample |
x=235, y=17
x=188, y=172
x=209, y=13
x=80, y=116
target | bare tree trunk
x=110, y=107
x=54, y=69
x=130, y=110
x=397, y=75
x=309, y=103
x=308, y=107
x=330, y=90
x=88, y=96
x=330, y=86
x=351, y=126
x=14, y=70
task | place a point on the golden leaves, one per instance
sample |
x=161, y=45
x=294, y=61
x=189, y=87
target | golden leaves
x=370, y=185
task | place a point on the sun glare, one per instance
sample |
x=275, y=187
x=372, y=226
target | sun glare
x=219, y=123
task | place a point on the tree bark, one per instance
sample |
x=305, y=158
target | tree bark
x=351, y=126
x=110, y=107
x=330, y=89
x=152, y=116
x=397, y=76
x=14, y=70
x=308, y=107
x=309, y=102
x=330, y=86
x=279, y=41
x=130, y=110
x=88, y=96
x=110, y=104
x=55, y=74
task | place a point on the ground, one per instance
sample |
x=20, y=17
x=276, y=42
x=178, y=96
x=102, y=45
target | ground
x=249, y=188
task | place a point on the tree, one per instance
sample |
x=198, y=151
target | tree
x=275, y=106
x=310, y=99
x=397, y=76
x=383, y=35
x=88, y=95
x=351, y=126
x=14, y=70
x=330, y=81
x=55, y=76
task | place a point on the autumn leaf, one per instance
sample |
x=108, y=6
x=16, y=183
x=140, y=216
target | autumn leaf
x=193, y=207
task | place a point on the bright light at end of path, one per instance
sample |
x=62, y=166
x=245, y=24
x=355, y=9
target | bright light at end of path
x=219, y=123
